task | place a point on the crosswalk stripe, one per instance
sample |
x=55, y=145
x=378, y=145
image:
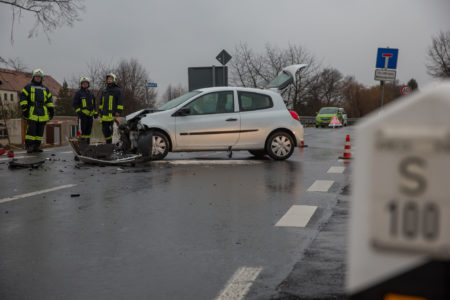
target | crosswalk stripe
x=320, y=186
x=337, y=170
x=240, y=283
x=297, y=216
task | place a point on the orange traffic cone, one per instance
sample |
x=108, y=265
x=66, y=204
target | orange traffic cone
x=347, y=148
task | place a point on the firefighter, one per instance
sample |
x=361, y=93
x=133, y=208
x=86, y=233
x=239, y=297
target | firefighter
x=37, y=108
x=84, y=105
x=110, y=107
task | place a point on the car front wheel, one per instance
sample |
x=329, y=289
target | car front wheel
x=280, y=145
x=160, y=146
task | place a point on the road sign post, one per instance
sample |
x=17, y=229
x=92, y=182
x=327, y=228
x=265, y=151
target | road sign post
x=386, y=66
x=400, y=215
x=223, y=57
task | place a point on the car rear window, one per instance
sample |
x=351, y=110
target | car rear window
x=254, y=101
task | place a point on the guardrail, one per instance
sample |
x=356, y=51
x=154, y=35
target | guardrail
x=310, y=121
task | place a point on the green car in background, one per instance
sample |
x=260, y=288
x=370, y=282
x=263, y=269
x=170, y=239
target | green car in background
x=325, y=115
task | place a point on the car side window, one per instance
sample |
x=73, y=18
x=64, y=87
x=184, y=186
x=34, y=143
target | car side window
x=254, y=101
x=212, y=103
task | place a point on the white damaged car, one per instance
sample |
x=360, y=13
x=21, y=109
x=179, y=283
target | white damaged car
x=219, y=119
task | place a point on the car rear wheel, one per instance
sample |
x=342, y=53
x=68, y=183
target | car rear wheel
x=258, y=153
x=280, y=145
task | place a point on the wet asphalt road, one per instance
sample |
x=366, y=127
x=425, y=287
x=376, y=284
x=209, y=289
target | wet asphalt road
x=194, y=226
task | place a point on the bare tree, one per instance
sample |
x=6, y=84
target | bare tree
x=439, y=56
x=173, y=92
x=250, y=69
x=48, y=14
x=14, y=63
x=133, y=80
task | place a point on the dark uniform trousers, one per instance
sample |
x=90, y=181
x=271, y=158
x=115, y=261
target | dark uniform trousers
x=107, y=129
x=86, y=127
x=35, y=133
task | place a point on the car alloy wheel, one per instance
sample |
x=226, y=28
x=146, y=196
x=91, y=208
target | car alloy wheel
x=280, y=145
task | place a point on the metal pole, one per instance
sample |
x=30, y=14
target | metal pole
x=223, y=75
x=146, y=93
x=382, y=93
x=214, y=75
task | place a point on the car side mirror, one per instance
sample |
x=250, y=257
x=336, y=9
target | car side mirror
x=184, y=111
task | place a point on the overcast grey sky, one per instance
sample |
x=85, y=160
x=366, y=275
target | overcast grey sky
x=168, y=36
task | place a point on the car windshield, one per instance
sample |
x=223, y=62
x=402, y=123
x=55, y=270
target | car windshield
x=177, y=101
x=328, y=110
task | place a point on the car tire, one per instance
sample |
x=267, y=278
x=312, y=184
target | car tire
x=160, y=145
x=258, y=153
x=153, y=143
x=280, y=145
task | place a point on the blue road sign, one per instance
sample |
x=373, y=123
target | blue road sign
x=387, y=58
x=152, y=84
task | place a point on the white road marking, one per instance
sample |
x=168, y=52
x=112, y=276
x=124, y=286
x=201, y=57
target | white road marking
x=66, y=152
x=36, y=193
x=208, y=162
x=297, y=216
x=337, y=170
x=16, y=157
x=240, y=283
x=320, y=186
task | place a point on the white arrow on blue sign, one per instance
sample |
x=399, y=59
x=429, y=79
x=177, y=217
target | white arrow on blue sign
x=152, y=84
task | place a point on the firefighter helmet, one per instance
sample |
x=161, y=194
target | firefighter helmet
x=113, y=76
x=85, y=79
x=38, y=72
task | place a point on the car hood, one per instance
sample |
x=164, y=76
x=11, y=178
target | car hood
x=141, y=113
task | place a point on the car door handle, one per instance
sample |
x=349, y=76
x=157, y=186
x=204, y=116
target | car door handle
x=231, y=119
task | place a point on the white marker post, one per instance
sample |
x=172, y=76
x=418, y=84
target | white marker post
x=400, y=214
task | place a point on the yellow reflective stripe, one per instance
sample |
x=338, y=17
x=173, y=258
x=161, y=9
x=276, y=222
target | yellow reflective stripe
x=103, y=102
x=85, y=136
x=77, y=110
x=50, y=104
x=86, y=112
x=45, y=96
x=49, y=95
x=108, y=138
x=30, y=137
x=25, y=92
x=111, y=98
x=23, y=102
x=83, y=102
x=107, y=118
x=32, y=94
x=119, y=106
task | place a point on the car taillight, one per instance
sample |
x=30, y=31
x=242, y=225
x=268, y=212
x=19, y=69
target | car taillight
x=294, y=115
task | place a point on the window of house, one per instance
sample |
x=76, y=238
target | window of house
x=11, y=97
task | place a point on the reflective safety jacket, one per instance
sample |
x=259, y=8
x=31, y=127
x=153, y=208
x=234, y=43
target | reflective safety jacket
x=112, y=102
x=36, y=102
x=84, y=101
